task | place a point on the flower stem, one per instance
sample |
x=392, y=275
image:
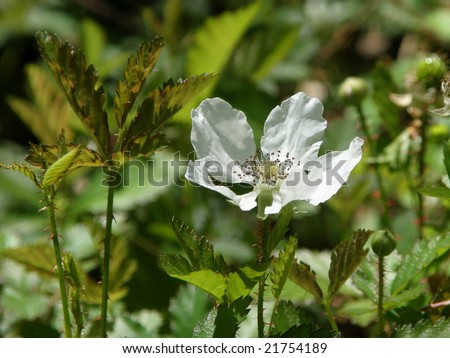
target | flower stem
x=107, y=254
x=49, y=197
x=380, y=296
x=330, y=315
x=373, y=152
x=263, y=257
x=423, y=145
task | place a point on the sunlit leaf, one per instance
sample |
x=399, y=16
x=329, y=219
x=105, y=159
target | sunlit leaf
x=426, y=329
x=282, y=266
x=241, y=282
x=175, y=265
x=79, y=82
x=447, y=157
x=404, y=297
x=60, y=167
x=440, y=192
x=305, y=277
x=199, y=251
x=346, y=258
x=139, y=67
x=212, y=282
x=24, y=169
x=37, y=258
x=415, y=263
x=48, y=111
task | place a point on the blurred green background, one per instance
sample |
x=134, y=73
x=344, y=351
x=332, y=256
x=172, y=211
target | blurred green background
x=265, y=51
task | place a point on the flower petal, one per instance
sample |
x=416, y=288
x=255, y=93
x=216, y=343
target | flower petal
x=319, y=180
x=294, y=126
x=197, y=172
x=222, y=134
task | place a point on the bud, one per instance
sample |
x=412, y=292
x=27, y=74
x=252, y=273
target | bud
x=430, y=71
x=383, y=243
x=353, y=90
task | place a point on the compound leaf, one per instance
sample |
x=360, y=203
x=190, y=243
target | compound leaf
x=24, y=169
x=139, y=68
x=282, y=266
x=79, y=82
x=303, y=276
x=346, y=258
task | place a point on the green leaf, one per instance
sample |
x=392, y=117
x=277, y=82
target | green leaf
x=43, y=156
x=139, y=68
x=447, y=157
x=402, y=298
x=287, y=316
x=79, y=82
x=281, y=227
x=189, y=306
x=199, y=251
x=440, y=192
x=241, y=282
x=48, y=111
x=229, y=316
x=206, y=327
x=159, y=106
x=24, y=169
x=426, y=329
x=37, y=258
x=282, y=266
x=346, y=258
x=413, y=266
x=389, y=113
x=216, y=40
x=303, y=276
x=72, y=271
x=60, y=167
x=364, y=279
x=212, y=282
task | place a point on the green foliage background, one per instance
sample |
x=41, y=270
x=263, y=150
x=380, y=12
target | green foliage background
x=263, y=51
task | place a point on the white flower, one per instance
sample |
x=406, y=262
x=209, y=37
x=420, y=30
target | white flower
x=286, y=168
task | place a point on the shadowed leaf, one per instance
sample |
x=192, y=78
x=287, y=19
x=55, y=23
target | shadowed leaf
x=303, y=276
x=346, y=258
x=229, y=316
x=440, y=192
x=43, y=156
x=159, y=106
x=281, y=227
x=37, y=258
x=447, y=157
x=139, y=67
x=79, y=82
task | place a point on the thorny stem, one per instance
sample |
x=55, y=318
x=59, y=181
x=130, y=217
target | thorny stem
x=107, y=254
x=373, y=152
x=423, y=145
x=380, y=296
x=49, y=197
x=264, y=256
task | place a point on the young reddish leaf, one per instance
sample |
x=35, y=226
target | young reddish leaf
x=303, y=276
x=43, y=156
x=24, y=169
x=79, y=82
x=346, y=258
x=139, y=67
x=160, y=105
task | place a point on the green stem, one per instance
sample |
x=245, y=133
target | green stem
x=263, y=257
x=107, y=253
x=373, y=153
x=49, y=197
x=330, y=315
x=380, y=296
x=423, y=145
